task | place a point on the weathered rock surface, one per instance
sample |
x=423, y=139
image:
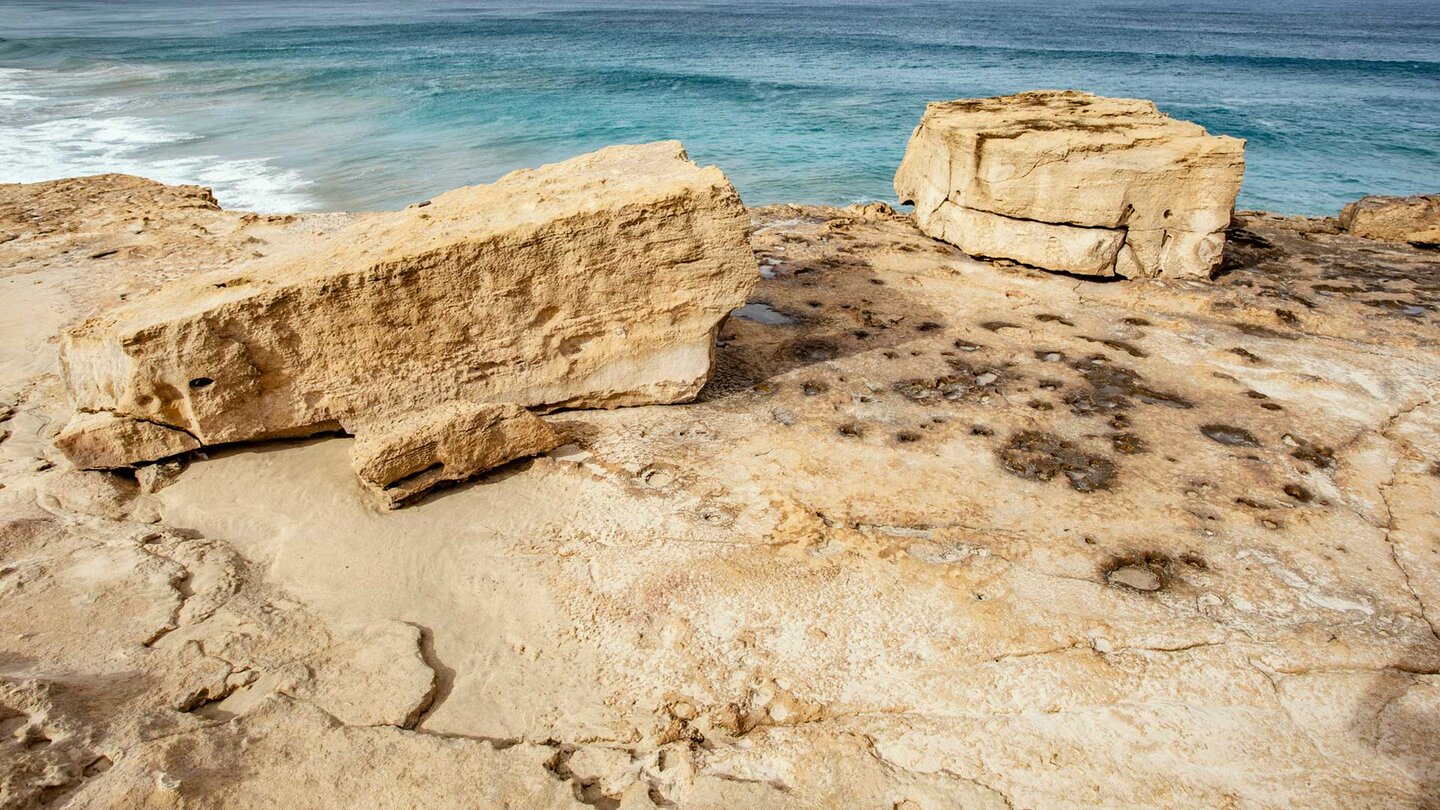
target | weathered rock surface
x=1415, y=220
x=949, y=533
x=1073, y=182
x=597, y=282
x=450, y=442
x=104, y=441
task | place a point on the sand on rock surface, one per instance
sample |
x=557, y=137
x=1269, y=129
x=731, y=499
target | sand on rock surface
x=938, y=533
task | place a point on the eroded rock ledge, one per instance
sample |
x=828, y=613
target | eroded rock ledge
x=1073, y=182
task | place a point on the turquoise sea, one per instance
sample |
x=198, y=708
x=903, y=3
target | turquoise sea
x=281, y=105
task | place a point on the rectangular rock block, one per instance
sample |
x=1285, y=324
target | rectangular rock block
x=1414, y=220
x=447, y=443
x=1089, y=173
x=596, y=282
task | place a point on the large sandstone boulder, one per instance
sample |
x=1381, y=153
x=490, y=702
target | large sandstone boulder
x=597, y=282
x=1073, y=182
x=1415, y=220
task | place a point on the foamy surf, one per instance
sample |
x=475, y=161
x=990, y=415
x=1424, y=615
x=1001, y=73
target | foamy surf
x=40, y=147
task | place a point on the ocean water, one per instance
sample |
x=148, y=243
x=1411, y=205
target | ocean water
x=284, y=105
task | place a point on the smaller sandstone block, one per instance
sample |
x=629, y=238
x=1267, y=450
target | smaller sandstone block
x=1073, y=182
x=1414, y=220
x=450, y=442
x=104, y=441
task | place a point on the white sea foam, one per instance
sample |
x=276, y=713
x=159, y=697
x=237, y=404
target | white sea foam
x=11, y=81
x=54, y=147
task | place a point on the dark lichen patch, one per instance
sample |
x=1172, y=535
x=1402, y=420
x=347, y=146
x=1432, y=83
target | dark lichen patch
x=1272, y=406
x=1112, y=387
x=981, y=430
x=851, y=430
x=1316, y=455
x=813, y=387
x=1036, y=455
x=996, y=326
x=1299, y=493
x=1118, y=345
x=1245, y=354
x=966, y=346
x=1245, y=249
x=1229, y=435
x=929, y=326
x=1046, y=317
x=1083, y=403
x=875, y=320
x=1040, y=405
x=1195, y=561
x=966, y=381
x=1397, y=305
x=1255, y=330
x=1251, y=503
x=1287, y=317
x=1342, y=289
x=1135, y=322
x=814, y=350
x=1128, y=444
x=907, y=437
x=929, y=390
x=1050, y=355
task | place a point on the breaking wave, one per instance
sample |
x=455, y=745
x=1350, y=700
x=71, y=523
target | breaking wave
x=47, y=138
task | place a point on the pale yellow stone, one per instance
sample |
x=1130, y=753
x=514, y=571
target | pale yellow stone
x=450, y=442
x=101, y=441
x=597, y=282
x=1394, y=219
x=1085, y=171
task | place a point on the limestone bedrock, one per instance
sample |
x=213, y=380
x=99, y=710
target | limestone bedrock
x=1073, y=182
x=951, y=533
x=596, y=282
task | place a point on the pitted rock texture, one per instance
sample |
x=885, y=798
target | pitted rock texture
x=1073, y=182
x=597, y=282
x=1415, y=220
x=447, y=443
x=937, y=533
